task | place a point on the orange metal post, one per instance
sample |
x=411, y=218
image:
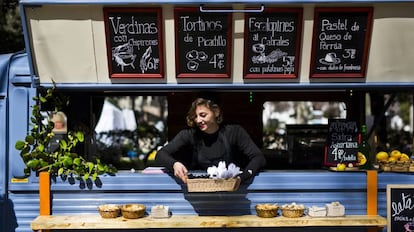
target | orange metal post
x=44, y=193
x=372, y=195
x=372, y=192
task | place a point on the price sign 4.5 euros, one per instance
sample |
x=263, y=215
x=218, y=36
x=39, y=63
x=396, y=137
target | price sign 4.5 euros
x=340, y=42
x=342, y=142
x=203, y=43
x=134, y=42
x=272, y=42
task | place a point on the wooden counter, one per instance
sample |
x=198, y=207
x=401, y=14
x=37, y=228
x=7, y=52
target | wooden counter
x=83, y=222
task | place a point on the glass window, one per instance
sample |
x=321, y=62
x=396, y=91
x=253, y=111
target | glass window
x=391, y=115
x=279, y=116
x=129, y=130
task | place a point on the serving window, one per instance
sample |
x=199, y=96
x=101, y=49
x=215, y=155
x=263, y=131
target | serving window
x=126, y=128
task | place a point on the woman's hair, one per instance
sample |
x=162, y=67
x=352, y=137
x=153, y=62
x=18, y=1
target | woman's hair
x=191, y=115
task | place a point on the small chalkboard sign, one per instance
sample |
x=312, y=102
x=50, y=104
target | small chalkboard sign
x=203, y=43
x=272, y=43
x=341, y=39
x=400, y=208
x=342, y=142
x=134, y=42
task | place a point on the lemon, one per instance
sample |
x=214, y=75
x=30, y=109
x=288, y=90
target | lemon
x=382, y=156
x=392, y=159
x=361, y=159
x=404, y=157
x=340, y=167
x=396, y=154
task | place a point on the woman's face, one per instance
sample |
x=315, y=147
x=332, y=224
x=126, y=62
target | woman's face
x=206, y=119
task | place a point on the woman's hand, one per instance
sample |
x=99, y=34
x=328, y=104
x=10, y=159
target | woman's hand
x=180, y=171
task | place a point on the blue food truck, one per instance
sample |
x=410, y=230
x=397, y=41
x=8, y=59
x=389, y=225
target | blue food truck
x=284, y=70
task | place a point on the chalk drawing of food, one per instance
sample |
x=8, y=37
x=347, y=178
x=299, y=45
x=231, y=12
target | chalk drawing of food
x=192, y=65
x=194, y=57
x=330, y=59
x=262, y=58
x=124, y=55
x=144, y=58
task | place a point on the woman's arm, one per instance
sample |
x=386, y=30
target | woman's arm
x=165, y=157
x=248, y=148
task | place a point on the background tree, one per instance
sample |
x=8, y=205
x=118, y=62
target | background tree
x=11, y=33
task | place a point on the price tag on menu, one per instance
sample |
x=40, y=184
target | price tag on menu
x=342, y=142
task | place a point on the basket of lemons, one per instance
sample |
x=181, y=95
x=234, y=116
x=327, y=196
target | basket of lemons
x=394, y=161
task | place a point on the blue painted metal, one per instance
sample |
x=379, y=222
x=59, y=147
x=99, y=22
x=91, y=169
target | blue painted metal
x=4, y=68
x=231, y=86
x=41, y=2
x=280, y=187
x=12, y=67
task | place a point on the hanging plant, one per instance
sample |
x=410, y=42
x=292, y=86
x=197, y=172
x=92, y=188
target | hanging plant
x=35, y=148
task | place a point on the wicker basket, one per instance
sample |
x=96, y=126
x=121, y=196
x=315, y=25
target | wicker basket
x=266, y=210
x=292, y=213
x=398, y=166
x=133, y=211
x=109, y=211
x=213, y=185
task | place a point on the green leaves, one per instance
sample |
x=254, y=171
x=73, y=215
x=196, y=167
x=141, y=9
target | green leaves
x=35, y=148
x=20, y=145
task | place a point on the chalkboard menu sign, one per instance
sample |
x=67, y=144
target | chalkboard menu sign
x=272, y=42
x=342, y=142
x=134, y=42
x=400, y=208
x=203, y=43
x=340, y=42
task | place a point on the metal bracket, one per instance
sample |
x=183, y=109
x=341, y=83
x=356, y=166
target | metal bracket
x=256, y=10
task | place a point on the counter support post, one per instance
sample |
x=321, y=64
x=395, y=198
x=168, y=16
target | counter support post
x=44, y=195
x=372, y=192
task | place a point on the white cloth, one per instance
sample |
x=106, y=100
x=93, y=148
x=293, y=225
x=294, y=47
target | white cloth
x=129, y=119
x=111, y=119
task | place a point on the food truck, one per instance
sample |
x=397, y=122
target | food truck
x=142, y=63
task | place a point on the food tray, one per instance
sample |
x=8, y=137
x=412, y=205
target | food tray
x=398, y=166
x=213, y=185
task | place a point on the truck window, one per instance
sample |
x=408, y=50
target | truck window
x=279, y=116
x=130, y=129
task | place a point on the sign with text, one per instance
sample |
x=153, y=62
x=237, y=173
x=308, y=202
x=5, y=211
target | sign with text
x=272, y=43
x=134, y=42
x=400, y=208
x=341, y=39
x=342, y=142
x=203, y=43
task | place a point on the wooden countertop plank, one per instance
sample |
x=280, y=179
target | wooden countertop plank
x=194, y=221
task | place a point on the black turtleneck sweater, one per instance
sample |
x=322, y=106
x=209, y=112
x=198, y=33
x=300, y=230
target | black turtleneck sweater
x=231, y=143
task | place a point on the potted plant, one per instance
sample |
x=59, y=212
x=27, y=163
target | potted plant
x=37, y=154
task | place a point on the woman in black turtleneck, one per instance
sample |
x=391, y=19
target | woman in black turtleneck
x=211, y=142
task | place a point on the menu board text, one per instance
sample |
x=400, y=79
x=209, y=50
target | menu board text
x=134, y=44
x=203, y=43
x=342, y=142
x=340, y=42
x=272, y=41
